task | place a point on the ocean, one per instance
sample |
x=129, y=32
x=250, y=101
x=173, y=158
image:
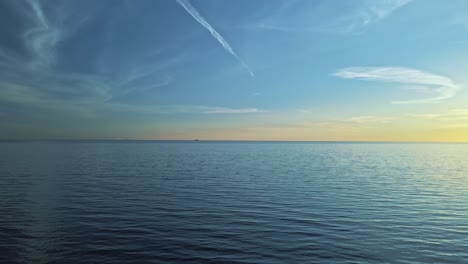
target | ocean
x=233, y=202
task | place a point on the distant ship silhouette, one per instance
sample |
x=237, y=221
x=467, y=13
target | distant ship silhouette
x=196, y=139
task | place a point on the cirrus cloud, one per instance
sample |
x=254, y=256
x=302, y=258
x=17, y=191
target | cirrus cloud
x=308, y=16
x=443, y=87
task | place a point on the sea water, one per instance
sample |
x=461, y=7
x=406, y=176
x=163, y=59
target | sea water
x=233, y=202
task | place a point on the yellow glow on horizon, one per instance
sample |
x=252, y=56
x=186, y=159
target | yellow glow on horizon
x=332, y=133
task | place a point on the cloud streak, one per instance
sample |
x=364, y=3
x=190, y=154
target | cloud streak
x=202, y=21
x=308, y=16
x=369, y=119
x=48, y=84
x=175, y=109
x=42, y=38
x=377, y=10
x=368, y=13
x=443, y=87
x=225, y=110
x=452, y=115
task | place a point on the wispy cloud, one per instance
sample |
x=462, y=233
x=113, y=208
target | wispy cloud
x=369, y=119
x=179, y=109
x=51, y=87
x=200, y=19
x=452, y=115
x=377, y=10
x=443, y=87
x=49, y=84
x=146, y=76
x=353, y=17
x=225, y=110
x=94, y=98
x=367, y=13
x=42, y=38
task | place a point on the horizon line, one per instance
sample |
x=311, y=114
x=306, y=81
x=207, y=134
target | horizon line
x=231, y=141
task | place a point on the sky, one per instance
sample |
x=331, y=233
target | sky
x=356, y=70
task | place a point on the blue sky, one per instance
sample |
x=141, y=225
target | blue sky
x=248, y=69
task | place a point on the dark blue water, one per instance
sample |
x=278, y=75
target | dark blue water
x=203, y=202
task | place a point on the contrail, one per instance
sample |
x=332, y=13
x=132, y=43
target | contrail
x=38, y=12
x=194, y=13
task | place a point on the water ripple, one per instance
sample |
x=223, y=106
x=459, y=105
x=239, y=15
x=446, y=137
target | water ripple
x=233, y=203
